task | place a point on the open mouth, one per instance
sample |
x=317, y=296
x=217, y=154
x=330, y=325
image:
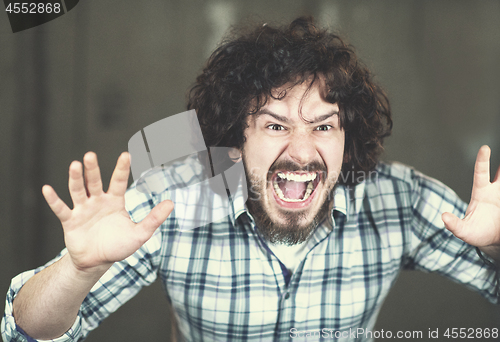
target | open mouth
x=294, y=187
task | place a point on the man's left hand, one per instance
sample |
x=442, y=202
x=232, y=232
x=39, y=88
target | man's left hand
x=481, y=225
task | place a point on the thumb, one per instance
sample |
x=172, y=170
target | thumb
x=157, y=216
x=452, y=223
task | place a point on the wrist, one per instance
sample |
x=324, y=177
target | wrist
x=80, y=274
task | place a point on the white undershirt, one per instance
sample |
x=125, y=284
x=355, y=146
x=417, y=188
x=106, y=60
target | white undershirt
x=290, y=256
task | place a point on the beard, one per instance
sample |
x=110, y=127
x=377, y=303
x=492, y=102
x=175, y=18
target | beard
x=293, y=227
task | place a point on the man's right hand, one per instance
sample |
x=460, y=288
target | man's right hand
x=98, y=231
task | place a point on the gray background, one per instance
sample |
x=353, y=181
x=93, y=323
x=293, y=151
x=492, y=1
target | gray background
x=92, y=78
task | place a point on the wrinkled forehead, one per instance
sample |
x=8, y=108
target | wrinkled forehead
x=310, y=95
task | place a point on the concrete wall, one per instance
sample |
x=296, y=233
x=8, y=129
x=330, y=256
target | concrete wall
x=92, y=78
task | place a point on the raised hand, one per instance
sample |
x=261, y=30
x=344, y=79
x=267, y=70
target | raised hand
x=98, y=230
x=481, y=225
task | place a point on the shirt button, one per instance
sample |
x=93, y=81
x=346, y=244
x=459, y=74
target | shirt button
x=287, y=295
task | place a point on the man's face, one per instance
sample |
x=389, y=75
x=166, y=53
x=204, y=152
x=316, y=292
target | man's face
x=293, y=156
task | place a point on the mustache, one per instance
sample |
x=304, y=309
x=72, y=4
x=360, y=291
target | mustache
x=288, y=165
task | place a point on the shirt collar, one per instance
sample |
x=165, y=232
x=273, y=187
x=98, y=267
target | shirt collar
x=238, y=201
x=348, y=200
x=340, y=199
x=345, y=200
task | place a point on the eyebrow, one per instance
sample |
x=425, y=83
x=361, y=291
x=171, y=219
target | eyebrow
x=286, y=120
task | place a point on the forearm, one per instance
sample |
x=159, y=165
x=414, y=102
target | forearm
x=97, y=232
x=48, y=304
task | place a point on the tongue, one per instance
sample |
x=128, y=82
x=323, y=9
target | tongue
x=293, y=190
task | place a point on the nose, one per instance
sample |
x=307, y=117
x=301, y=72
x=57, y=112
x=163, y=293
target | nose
x=301, y=148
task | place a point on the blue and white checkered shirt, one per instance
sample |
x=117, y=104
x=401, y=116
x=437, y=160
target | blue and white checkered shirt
x=226, y=285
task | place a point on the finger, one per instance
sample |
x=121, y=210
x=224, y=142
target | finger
x=155, y=218
x=76, y=187
x=452, y=223
x=59, y=208
x=119, y=179
x=482, y=167
x=92, y=174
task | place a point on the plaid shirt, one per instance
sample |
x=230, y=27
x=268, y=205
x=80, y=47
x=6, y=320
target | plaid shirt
x=226, y=285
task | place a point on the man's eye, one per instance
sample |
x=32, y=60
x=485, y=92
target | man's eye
x=323, y=128
x=276, y=127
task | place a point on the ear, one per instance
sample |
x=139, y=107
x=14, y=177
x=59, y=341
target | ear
x=234, y=154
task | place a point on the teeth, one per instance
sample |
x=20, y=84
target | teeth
x=309, y=187
x=305, y=177
x=308, y=193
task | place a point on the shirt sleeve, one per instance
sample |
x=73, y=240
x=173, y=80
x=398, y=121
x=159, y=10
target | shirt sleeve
x=435, y=249
x=119, y=284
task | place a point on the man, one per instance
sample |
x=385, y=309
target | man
x=316, y=247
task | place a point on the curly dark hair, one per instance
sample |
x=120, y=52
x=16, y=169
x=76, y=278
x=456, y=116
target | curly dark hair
x=241, y=74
